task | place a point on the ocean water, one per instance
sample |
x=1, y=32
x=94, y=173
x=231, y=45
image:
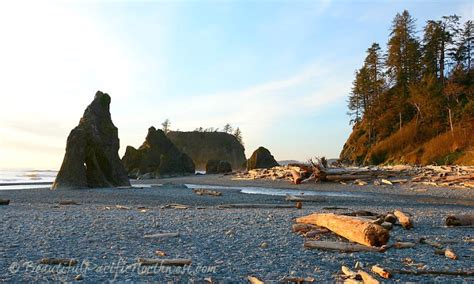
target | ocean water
x=26, y=178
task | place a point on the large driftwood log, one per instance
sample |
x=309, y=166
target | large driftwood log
x=460, y=220
x=356, y=230
x=340, y=246
x=165, y=262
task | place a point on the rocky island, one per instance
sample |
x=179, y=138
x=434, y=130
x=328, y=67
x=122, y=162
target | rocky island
x=91, y=158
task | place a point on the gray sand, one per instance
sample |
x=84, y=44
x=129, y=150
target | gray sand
x=224, y=244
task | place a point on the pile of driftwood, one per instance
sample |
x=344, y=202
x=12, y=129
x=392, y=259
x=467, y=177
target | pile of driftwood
x=275, y=173
x=370, y=232
x=318, y=170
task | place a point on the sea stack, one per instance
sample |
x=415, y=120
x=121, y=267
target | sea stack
x=205, y=146
x=156, y=157
x=91, y=159
x=261, y=159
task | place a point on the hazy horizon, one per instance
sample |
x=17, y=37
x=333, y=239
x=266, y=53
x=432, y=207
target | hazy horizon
x=279, y=70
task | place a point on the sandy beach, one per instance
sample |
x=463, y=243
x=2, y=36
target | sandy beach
x=106, y=233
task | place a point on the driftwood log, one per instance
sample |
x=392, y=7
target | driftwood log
x=296, y=280
x=349, y=273
x=68, y=202
x=381, y=271
x=460, y=220
x=161, y=236
x=251, y=206
x=340, y=246
x=303, y=228
x=4, y=201
x=175, y=206
x=58, y=261
x=296, y=176
x=449, y=253
x=202, y=191
x=403, y=245
x=254, y=280
x=404, y=219
x=165, y=262
x=432, y=272
x=367, y=278
x=356, y=230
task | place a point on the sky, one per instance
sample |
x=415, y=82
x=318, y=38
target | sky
x=279, y=70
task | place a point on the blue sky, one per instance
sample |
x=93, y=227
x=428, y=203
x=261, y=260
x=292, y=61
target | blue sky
x=280, y=70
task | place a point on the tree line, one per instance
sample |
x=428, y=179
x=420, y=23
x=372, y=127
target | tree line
x=237, y=133
x=423, y=78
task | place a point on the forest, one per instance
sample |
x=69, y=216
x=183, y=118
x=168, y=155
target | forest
x=413, y=103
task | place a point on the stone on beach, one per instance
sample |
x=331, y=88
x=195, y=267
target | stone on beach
x=261, y=159
x=91, y=159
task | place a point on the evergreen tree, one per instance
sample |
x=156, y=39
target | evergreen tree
x=238, y=135
x=463, y=47
x=165, y=126
x=431, y=48
x=403, y=58
x=227, y=128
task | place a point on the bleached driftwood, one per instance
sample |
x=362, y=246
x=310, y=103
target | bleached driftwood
x=404, y=219
x=201, y=191
x=340, y=246
x=354, y=229
x=254, y=280
x=367, y=278
x=381, y=271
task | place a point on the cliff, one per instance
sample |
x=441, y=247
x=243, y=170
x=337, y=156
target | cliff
x=409, y=145
x=205, y=146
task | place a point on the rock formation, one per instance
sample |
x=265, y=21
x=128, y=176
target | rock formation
x=91, y=158
x=156, y=157
x=205, y=146
x=261, y=159
x=218, y=167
